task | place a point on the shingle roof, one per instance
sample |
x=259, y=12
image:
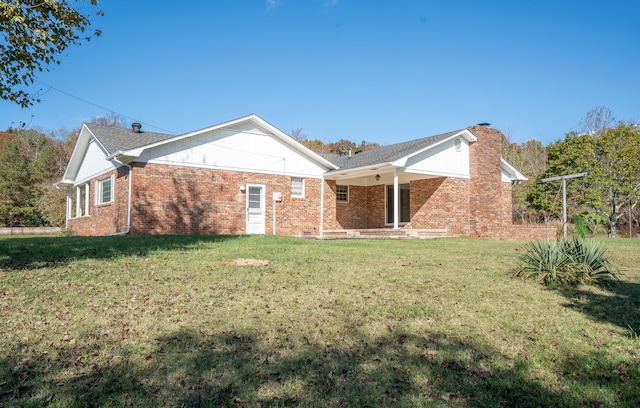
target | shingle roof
x=114, y=138
x=385, y=154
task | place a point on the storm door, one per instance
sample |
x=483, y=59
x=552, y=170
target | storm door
x=255, y=209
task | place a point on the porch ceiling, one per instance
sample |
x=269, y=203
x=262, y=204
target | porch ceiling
x=367, y=177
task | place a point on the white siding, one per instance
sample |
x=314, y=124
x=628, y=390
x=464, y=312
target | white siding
x=241, y=148
x=93, y=163
x=444, y=160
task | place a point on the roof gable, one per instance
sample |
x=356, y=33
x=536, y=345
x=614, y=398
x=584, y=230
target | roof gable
x=136, y=151
x=396, y=154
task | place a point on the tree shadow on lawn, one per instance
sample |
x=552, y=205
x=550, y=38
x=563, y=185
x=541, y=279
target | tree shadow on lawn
x=235, y=368
x=618, y=303
x=36, y=252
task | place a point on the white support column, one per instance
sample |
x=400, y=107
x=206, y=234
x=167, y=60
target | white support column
x=69, y=206
x=396, y=201
x=78, y=202
x=86, y=199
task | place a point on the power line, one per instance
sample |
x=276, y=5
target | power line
x=103, y=108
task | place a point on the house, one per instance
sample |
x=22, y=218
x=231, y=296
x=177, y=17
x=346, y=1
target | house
x=247, y=176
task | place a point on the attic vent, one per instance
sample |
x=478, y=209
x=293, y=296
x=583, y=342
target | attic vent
x=135, y=126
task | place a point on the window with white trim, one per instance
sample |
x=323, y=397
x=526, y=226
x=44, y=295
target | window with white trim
x=342, y=194
x=297, y=187
x=104, y=191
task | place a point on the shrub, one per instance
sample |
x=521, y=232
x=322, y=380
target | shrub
x=572, y=262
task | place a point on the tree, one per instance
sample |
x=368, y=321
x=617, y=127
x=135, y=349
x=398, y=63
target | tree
x=30, y=163
x=112, y=119
x=597, y=121
x=612, y=161
x=341, y=146
x=33, y=36
x=529, y=158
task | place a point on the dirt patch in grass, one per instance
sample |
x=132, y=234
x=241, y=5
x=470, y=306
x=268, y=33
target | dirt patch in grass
x=245, y=262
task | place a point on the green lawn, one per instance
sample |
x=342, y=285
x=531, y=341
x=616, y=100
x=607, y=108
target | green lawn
x=261, y=321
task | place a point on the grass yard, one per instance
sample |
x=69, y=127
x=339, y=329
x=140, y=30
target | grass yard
x=262, y=321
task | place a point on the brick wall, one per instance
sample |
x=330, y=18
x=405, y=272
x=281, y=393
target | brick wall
x=186, y=200
x=440, y=203
x=491, y=198
x=487, y=201
x=376, y=206
x=108, y=218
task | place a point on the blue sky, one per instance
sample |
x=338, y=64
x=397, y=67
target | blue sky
x=378, y=70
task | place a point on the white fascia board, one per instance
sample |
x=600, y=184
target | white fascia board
x=79, y=151
x=514, y=174
x=465, y=134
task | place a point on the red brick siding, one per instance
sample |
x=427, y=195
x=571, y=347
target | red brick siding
x=109, y=218
x=353, y=214
x=376, y=206
x=486, y=177
x=491, y=199
x=440, y=203
x=329, y=220
x=185, y=200
x=188, y=200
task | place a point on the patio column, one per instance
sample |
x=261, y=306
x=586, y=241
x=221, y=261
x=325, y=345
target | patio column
x=78, y=202
x=69, y=207
x=86, y=199
x=396, y=201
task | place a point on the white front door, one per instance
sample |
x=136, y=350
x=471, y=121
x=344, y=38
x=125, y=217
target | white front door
x=255, y=209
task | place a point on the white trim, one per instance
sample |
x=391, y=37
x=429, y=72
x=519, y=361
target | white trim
x=86, y=200
x=511, y=172
x=263, y=200
x=396, y=200
x=301, y=195
x=100, y=192
x=348, y=188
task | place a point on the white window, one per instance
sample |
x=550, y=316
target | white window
x=297, y=187
x=104, y=191
x=342, y=194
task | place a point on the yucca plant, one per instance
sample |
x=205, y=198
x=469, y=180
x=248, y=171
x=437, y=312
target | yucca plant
x=572, y=262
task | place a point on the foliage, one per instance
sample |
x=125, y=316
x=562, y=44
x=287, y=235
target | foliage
x=33, y=36
x=342, y=146
x=613, y=165
x=587, y=223
x=530, y=159
x=30, y=163
x=571, y=262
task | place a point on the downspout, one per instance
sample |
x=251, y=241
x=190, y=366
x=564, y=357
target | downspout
x=125, y=232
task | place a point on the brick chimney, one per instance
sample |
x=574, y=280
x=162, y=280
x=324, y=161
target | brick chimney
x=490, y=196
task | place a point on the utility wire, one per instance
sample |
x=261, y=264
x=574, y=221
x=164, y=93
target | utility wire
x=102, y=107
